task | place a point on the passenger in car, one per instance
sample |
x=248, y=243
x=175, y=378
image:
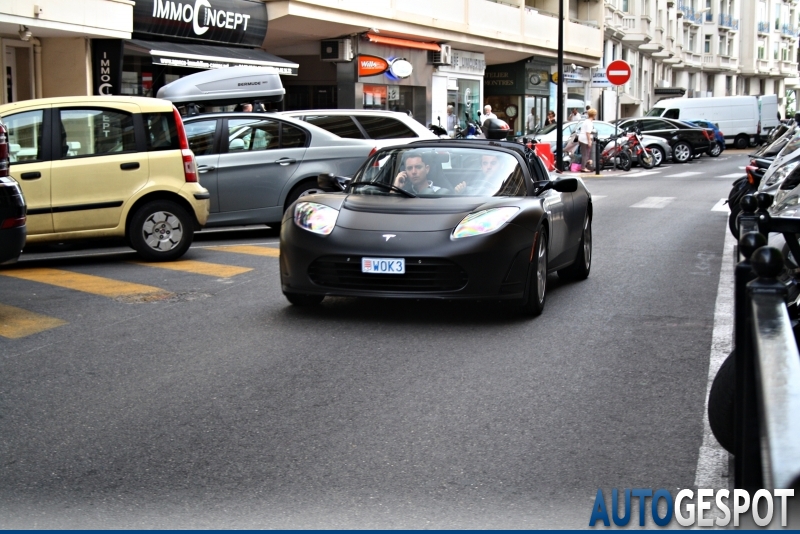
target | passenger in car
x=488, y=182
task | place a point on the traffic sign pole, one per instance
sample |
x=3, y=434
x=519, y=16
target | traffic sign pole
x=618, y=73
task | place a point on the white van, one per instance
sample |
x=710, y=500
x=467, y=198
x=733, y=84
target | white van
x=739, y=118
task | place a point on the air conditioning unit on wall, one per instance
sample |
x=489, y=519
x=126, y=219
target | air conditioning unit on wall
x=336, y=50
x=442, y=57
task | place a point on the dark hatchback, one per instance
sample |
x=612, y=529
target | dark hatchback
x=12, y=209
x=685, y=139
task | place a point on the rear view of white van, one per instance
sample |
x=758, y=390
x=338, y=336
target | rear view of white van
x=737, y=117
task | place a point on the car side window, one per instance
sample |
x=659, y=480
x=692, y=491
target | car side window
x=201, y=136
x=343, y=126
x=385, y=128
x=650, y=125
x=672, y=114
x=95, y=132
x=251, y=135
x=292, y=137
x=604, y=130
x=162, y=132
x=24, y=136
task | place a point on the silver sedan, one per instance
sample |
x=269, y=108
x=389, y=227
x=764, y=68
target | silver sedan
x=256, y=165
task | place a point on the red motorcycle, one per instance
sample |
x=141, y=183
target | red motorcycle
x=638, y=150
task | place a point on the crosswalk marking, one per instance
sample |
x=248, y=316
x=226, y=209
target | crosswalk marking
x=16, y=322
x=595, y=197
x=654, y=202
x=198, y=267
x=249, y=249
x=87, y=283
x=721, y=206
x=683, y=174
x=734, y=175
x=642, y=173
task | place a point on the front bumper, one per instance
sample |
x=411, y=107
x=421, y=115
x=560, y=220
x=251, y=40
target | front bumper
x=493, y=266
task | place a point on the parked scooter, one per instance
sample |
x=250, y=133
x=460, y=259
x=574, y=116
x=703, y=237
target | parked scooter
x=472, y=130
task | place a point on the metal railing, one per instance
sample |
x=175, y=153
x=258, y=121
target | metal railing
x=766, y=431
x=763, y=27
x=786, y=29
x=727, y=21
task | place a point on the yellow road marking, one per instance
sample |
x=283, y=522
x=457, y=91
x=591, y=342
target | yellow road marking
x=249, y=249
x=199, y=267
x=16, y=322
x=87, y=283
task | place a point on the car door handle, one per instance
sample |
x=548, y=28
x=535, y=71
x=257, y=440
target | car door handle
x=30, y=175
x=129, y=166
x=205, y=168
x=285, y=161
x=673, y=132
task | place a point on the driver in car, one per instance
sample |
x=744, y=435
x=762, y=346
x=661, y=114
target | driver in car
x=414, y=177
x=489, y=181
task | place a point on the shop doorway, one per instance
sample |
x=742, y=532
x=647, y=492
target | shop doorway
x=17, y=71
x=540, y=105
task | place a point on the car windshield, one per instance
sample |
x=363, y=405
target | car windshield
x=440, y=172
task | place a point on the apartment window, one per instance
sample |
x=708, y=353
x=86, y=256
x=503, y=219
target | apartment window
x=721, y=46
x=710, y=83
x=784, y=53
x=646, y=7
x=728, y=85
x=707, y=44
x=691, y=41
x=775, y=51
x=625, y=6
x=777, y=17
x=762, y=49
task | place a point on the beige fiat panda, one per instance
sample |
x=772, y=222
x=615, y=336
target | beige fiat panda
x=111, y=166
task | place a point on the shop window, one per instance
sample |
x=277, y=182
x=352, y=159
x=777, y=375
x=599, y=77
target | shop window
x=343, y=126
x=385, y=128
x=24, y=136
x=201, y=137
x=95, y=132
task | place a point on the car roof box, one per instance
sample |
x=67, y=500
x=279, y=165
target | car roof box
x=230, y=85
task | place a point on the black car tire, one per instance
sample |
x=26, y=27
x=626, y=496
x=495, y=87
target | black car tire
x=565, y=165
x=537, y=278
x=624, y=160
x=659, y=156
x=714, y=150
x=304, y=300
x=153, y=228
x=646, y=159
x=681, y=152
x=583, y=259
x=720, y=403
x=741, y=141
x=306, y=187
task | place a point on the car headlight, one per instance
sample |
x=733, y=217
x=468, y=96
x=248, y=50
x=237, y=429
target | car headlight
x=781, y=173
x=484, y=222
x=317, y=218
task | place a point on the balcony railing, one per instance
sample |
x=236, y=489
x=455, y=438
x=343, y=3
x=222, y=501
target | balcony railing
x=789, y=31
x=763, y=27
x=726, y=21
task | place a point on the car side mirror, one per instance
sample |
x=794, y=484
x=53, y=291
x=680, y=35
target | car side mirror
x=331, y=183
x=566, y=185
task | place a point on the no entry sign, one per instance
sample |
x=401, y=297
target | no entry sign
x=618, y=72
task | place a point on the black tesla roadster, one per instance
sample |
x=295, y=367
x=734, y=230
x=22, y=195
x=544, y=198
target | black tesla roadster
x=439, y=219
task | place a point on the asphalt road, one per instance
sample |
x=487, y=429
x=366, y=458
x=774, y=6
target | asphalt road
x=207, y=401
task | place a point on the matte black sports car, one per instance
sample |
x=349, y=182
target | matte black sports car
x=439, y=219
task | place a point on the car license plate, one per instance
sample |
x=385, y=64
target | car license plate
x=383, y=265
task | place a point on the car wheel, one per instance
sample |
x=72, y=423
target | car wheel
x=741, y=141
x=646, y=158
x=565, y=165
x=583, y=260
x=720, y=403
x=658, y=155
x=161, y=230
x=306, y=187
x=681, y=152
x=537, y=277
x=715, y=150
x=304, y=300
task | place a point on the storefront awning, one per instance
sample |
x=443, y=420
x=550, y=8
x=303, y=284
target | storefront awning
x=404, y=43
x=210, y=57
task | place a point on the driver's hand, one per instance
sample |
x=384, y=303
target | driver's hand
x=400, y=179
x=460, y=187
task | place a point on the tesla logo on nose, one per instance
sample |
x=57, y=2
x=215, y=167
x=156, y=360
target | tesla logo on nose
x=389, y=236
